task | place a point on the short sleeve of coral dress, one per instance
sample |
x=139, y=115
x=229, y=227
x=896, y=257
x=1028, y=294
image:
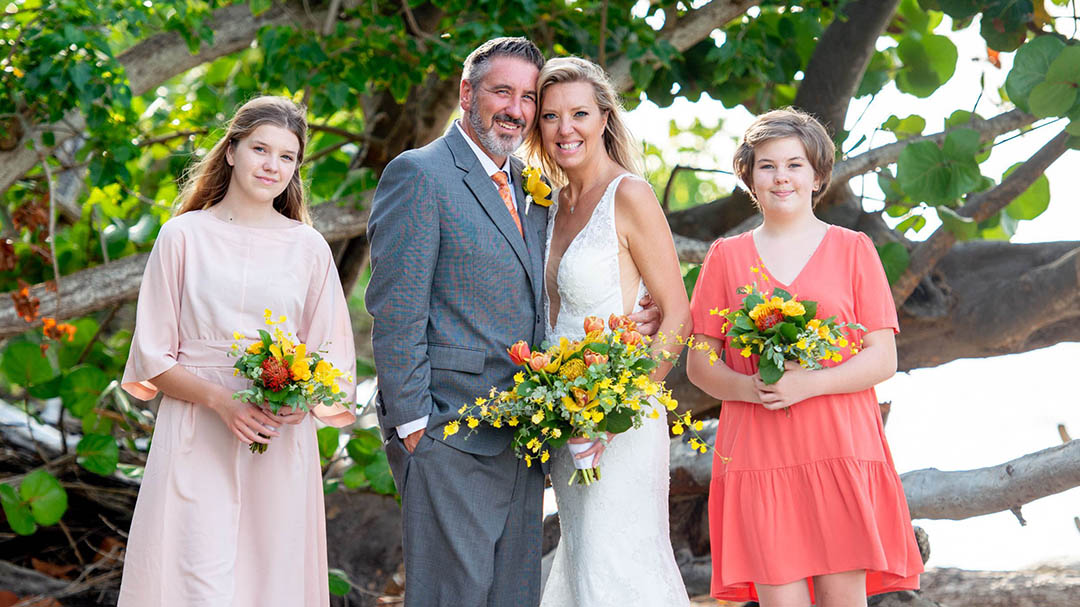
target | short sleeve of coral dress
x=815, y=492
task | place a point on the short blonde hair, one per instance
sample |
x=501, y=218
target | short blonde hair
x=787, y=122
x=618, y=141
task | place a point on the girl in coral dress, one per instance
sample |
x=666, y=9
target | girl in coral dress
x=216, y=524
x=809, y=508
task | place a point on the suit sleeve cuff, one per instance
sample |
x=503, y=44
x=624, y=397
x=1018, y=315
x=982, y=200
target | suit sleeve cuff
x=406, y=429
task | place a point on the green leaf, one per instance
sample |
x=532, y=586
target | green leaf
x=644, y=365
x=1030, y=65
x=1066, y=67
x=789, y=331
x=781, y=293
x=1000, y=35
x=378, y=474
x=770, y=372
x=25, y=365
x=340, y=585
x=619, y=421
x=18, y=514
x=964, y=228
x=690, y=279
x=915, y=222
x=1033, y=201
x=894, y=258
x=961, y=144
x=599, y=347
x=259, y=7
x=96, y=424
x=98, y=453
x=907, y=127
x=959, y=9
x=47, y=499
x=328, y=441
x=1052, y=98
x=811, y=309
x=80, y=75
x=642, y=73
x=923, y=172
x=354, y=477
x=81, y=387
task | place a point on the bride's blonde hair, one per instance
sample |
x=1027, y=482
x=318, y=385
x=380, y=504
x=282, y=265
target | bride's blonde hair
x=618, y=141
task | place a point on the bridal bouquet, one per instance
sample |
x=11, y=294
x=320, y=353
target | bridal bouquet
x=779, y=327
x=283, y=373
x=583, y=388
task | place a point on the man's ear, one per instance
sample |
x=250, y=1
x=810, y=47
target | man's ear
x=465, y=94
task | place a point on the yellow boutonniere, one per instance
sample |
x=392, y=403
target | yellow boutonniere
x=536, y=190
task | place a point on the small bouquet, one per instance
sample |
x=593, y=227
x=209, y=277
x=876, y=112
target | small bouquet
x=283, y=373
x=778, y=327
x=580, y=388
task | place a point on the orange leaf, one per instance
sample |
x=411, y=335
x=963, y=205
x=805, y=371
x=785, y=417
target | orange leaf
x=51, y=569
x=994, y=57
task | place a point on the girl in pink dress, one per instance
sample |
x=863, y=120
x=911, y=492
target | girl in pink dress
x=809, y=508
x=215, y=524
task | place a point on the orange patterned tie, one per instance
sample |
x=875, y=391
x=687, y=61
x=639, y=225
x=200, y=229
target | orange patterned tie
x=508, y=200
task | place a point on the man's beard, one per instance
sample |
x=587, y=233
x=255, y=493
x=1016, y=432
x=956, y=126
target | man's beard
x=499, y=145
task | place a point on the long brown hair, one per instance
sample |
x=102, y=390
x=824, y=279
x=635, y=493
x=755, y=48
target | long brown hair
x=208, y=179
x=618, y=141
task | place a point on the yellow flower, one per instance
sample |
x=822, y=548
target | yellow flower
x=713, y=357
x=267, y=313
x=545, y=456
x=237, y=335
x=760, y=310
x=472, y=421
x=842, y=342
x=519, y=377
x=745, y=352
x=699, y=426
x=677, y=429
x=654, y=414
x=836, y=357
x=556, y=433
x=792, y=308
x=480, y=400
x=325, y=373
x=641, y=381
x=301, y=365
x=451, y=428
x=801, y=344
x=572, y=369
x=813, y=324
x=618, y=389
x=528, y=462
x=275, y=350
x=235, y=348
x=598, y=416
x=538, y=417
x=463, y=408
x=235, y=372
x=255, y=347
x=497, y=423
x=513, y=421
x=536, y=187
x=533, y=445
x=715, y=311
x=823, y=332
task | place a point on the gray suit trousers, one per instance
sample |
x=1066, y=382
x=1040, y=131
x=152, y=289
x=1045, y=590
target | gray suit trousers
x=458, y=555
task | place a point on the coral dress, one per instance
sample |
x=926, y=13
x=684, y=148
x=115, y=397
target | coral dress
x=815, y=492
x=215, y=524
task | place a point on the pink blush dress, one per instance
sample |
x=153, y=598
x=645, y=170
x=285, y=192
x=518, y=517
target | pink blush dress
x=815, y=492
x=215, y=524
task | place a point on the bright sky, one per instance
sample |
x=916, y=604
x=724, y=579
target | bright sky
x=968, y=413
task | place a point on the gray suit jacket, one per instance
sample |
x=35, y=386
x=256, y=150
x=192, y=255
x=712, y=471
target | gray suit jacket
x=453, y=285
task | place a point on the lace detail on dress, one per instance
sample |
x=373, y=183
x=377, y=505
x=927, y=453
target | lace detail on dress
x=615, y=547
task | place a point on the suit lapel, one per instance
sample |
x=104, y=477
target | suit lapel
x=483, y=188
x=532, y=237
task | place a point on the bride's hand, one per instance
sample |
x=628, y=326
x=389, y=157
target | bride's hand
x=595, y=451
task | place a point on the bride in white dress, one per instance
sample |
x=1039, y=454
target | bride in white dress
x=607, y=240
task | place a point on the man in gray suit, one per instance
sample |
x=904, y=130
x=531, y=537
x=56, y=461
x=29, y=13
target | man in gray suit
x=457, y=275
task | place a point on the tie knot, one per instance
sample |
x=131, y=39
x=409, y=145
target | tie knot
x=499, y=178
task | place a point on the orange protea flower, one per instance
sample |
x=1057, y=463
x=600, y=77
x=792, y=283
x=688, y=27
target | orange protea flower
x=275, y=374
x=769, y=319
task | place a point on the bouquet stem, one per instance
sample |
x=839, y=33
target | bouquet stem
x=584, y=476
x=259, y=447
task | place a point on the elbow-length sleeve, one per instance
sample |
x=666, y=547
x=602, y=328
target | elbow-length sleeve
x=325, y=326
x=710, y=293
x=156, y=340
x=874, y=307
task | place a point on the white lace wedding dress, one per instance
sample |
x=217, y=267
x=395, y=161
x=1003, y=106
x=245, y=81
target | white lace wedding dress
x=615, y=548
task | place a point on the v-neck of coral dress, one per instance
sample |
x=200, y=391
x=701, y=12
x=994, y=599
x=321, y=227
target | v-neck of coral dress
x=815, y=492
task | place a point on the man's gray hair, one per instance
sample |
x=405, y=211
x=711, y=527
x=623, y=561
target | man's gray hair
x=478, y=62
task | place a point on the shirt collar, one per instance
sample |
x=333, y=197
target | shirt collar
x=485, y=160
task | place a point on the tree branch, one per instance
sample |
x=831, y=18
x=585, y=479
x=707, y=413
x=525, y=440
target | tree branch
x=978, y=207
x=693, y=27
x=934, y=494
x=95, y=288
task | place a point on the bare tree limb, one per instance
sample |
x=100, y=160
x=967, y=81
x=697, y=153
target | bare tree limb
x=691, y=28
x=934, y=494
x=979, y=207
